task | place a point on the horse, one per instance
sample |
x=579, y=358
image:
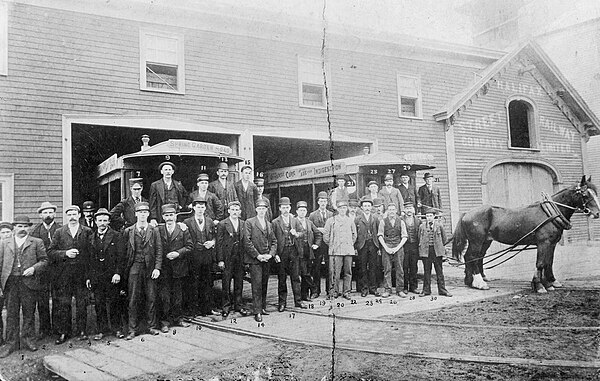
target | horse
x=541, y=224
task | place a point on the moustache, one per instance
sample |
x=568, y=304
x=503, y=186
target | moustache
x=48, y=219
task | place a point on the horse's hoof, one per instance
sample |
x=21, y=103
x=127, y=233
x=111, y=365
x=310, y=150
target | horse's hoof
x=479, y=283
x=557, y=284
x=550, y=288
x=485, y=278
x=541, y=290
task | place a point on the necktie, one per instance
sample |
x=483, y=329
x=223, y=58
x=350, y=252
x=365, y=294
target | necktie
x=137, y=199
x=323, y=215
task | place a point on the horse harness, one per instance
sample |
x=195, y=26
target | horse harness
x=550, y=207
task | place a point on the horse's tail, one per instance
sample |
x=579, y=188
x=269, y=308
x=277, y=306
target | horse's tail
x=460, y=239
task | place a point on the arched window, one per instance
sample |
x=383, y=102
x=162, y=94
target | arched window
x=521, y=120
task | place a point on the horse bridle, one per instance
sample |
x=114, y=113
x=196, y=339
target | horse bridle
x=584, y=192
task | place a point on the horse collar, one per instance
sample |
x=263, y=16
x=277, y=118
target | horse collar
x=558, y=219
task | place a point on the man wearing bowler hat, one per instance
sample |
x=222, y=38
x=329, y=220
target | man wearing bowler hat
x=429, y=195
x=165, y=191
x=215, y=210
x=87, y=219
x=390, y=194
x=310, y=240
x=144, y=263
x=223, y=188
x=408, y=190
x=288, y=232
x=70, y=251
x=45, y=230
x=247, y=193
x=260, y=186
x=22, y=258
x=122, y=215
x=319, y=217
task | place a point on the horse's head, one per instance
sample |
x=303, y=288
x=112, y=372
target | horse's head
x=588, y=197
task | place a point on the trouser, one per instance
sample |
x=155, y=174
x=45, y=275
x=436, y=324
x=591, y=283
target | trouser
x=439, y=273
x=65, y=290
x=368, y=267
x=19, y=296
x=43, y=308
x=337, y=263
x=396, y=260
x=307, y=283
x=142, y=290
x=234, y=269
x=1, y=321
x=202, y=289
x=321, y=254
x=259, y=278
x=410, y=266
x=289, y=265
x=170, y=291
x=106, y=294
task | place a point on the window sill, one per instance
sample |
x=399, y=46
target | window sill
x=410, y=117
x=524, y=149
x=314, y=107
x=162, y=91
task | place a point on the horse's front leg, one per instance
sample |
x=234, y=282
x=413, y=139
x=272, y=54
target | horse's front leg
x=538, y=277
x=548, y=278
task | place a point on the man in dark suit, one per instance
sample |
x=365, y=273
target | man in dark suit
x=45, y=231
x=104, y=279
x=215, y=210
x=367, y=245
x=319, y=217
x=288, y=231
x=70, y=250
x=247, y=193
x=22, y=258
x=310, y=239
x=123, y=214
x=261, y=245
x=429, y=195
x=230, y=233
x=260, y=187
x=202, y=230
x=177, y=245
x=144, y=263
x=165, y=191
x=223, y=188
x=87, y=219
x=408, y=190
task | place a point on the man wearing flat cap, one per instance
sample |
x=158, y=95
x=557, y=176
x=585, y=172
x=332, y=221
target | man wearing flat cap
x=215, y=210
x=260, y=186
x=122, y=215
x=70, y=251
x=391, y=194
x=222, y=187
x=22, y=258
x=319, y=217
x=165, y=191
x=144, y=264
x=247, y=193
x=373, y=189
x=429, y=195
x=105, y=276
x=87, y=219
x=339, y=193
x=45, y=230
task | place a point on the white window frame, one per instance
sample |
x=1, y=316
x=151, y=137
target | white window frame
x=532, y=120
x=301, y=82
x=3, y=38
x=8, y=193
x=144, y=34
x=418, y=99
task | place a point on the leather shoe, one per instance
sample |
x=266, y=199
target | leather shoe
x=244, y=312
x=258, y=317
x=385, y=295
x=264, y=312
x=281, y=308
x=423, y=294
x=61, y=339
x=225, y=314
x=119, y=335
x=28, y=344
x=99, y=336
x=82, y=336
x=314, y=295
x=130, y=336
x=164, y=329
x=154, y=331
x=449, y=295
x=347, y=296
x=364, y=293
x=301, y=305
x=7, y=350
x=181, y=323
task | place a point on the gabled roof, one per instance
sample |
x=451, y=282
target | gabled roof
x=585, y=120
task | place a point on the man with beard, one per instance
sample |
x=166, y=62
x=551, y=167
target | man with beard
x=411, y=249
x=21, y=258
x=122, y=215
x=224, y=189
x=247, y=193
x=215, y=210
x=367, y=244
x=165, y=191
x=70, y=250
x=104, y=276
x=45, y=231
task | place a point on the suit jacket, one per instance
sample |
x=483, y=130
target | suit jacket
x=247, y=198
x=157, y=197
x=258, y=240
x=362, y=229
x=393, y=196
x=409, y=194
x=34, y=255
x=224, y=195
x=152, y=247
x=432, y=198
x=200, y=255
x=123, y=214
x=84, y=222
x=313, y=237
x=39, y=231
x=278, y=229
x=68, y=268
x=214, y=207
x=439, y=239
x=269, y=215
x=225, y=240
x=317, y=218
x=107, y=257
x=181, y=242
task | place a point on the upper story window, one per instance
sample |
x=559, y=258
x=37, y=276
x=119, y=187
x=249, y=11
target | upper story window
x=161, y=62
x=311, y=84
x=6, y=197
x=3, y=38
x=409, y=96
x=521, y=122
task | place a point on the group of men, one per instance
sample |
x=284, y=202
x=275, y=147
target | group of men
x=147, y=271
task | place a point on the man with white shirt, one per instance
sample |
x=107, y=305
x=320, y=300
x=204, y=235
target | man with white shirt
x=223, y=188
x=260, y=246
x=309, y=241
x=319, y=217
x=165, y=191
x=230, y=259
x=122, y=215
x=70, y=251
x=214, y=208
x=247, y=193
x=22, y=257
